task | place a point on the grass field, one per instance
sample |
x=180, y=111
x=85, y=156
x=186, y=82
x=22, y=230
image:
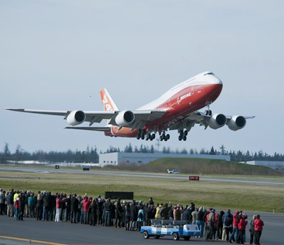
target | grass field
x=209, y=194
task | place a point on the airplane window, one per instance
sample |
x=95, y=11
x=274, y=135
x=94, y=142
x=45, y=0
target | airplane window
x=209, y=73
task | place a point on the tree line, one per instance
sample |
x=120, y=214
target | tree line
x=90, y=154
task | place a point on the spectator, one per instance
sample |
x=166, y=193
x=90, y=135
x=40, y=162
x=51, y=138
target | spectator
x=151, y=202
x=107, y=211
x=140, y=218
x=86, y=204
x=241, y=227
x=74, y=208
x=220, y=225
x=177, y=213
x=227, y=225
x=58, y=209
x=118, y=214
x=39, y=205
x=200, y=220
x=93, y=208
x=133, y=216
x=252, y=230
x=17, y=207
x=210, y=222
x=127, y=217
x=236, y=219
x=10, y=208
x=2, y=202
x=165, y=212
x=31, y=205
x=258, y=227
x=194, y=216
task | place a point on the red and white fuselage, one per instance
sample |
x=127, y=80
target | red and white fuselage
x=179, y=102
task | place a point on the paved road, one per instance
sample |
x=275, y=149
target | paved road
x=142, y=175
x=66, y=233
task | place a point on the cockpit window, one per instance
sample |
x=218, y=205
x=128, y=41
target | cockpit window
x=209, y=73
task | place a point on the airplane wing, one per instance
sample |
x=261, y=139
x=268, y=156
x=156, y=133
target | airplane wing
x=101, y=129
x=199, y=118
x=141, y=116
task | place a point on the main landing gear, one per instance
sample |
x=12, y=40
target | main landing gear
x=142, y=134
x=182, y=135
x=164, y=137
x=208, y=113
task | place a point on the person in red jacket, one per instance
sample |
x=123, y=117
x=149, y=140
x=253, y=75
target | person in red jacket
x=17, y=208
x=86, y=204
x=241, y=227
x=235, y=232
x=258, y=226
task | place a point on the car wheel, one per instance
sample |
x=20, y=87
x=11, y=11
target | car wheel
x=146, y=235
x=175, y=236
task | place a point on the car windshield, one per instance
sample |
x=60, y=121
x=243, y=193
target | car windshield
x=209, y=73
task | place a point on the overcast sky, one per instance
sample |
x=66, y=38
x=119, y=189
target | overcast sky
x=59, y=54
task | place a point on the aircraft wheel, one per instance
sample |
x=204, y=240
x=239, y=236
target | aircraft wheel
x=145, y=235
x=184, y=138
x=176, y=236
x=161, y=138
x=185, y=133
x=168, y=136
x=179, y=138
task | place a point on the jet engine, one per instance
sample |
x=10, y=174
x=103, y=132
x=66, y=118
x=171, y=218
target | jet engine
x=124, y=118
x=76, y=118
x=236, y=123
x=217, y=121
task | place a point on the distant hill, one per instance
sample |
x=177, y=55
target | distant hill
x=199, y=166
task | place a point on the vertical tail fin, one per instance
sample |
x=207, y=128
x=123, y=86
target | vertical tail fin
x=108, y=103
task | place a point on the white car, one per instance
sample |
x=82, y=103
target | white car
x=174, y=171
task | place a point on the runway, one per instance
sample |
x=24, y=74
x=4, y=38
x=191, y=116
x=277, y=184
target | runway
x=142, y=175
x=49, y=232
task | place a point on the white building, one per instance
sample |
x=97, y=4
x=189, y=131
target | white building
x=116, y=158
x=278, y=166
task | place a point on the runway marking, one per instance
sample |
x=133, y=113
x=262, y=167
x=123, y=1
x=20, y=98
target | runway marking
x=30, y=240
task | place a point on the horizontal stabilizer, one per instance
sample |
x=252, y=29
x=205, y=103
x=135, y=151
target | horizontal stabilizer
x=102, y=129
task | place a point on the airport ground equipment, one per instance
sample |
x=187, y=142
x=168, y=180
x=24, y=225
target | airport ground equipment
x=176, y=229
x=174, y=171
x=57, y=166
x=193, y=178
x=123, y=195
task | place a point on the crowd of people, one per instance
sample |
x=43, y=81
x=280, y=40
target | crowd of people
x=129, y=215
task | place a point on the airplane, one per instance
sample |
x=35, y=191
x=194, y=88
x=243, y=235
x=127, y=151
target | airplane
x=177, y=109
x=174, y=171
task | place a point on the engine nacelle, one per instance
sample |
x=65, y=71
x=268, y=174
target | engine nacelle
x=237, y=123
x=76, y=118
x=124, y=118
x=217, y=121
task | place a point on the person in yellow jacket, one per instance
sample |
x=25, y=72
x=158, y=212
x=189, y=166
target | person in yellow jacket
x=157, y=215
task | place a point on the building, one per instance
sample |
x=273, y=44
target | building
x=278, y=166
x=116, y=158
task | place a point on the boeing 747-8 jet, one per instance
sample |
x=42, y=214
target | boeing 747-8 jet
x=177, y=109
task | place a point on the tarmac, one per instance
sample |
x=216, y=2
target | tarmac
x=31, y=231
x=141, y=175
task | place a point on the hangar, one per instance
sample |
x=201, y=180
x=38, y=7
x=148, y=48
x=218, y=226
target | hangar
x=116, y=158
x=278, y=166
